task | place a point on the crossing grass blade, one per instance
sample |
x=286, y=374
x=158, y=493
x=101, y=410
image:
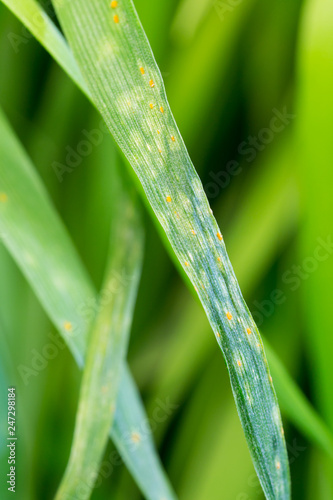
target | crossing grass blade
x=116, y=61
x=293, y=403
x=208, y=65
x=39, y=243
x=315, y=106
x=106, y=352
x=316, y=79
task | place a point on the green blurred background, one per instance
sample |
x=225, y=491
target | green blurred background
x=250, y=84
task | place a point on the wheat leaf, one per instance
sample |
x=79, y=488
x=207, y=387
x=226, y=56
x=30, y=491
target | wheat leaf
x=116, y=60
x=38, y=241
x=106, y=350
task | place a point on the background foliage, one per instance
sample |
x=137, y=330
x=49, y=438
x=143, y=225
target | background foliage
x=230, y=68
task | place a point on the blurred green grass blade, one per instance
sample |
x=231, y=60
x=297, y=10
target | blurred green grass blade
x=187, y=18
x=272, y=200
x=116, y=60
x=106, y=351
x=220, y=441
x=38, y=241
x=202, y=73
x=315, y=105
x=44, y=265
x=33, y=16
x=294, y=404
x=9, y=377
x=315, y=111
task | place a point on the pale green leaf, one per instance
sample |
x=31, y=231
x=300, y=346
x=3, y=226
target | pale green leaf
x=38, y=241
x=44, y=30
x=106, y=351
x=315, y=105
x=314, y=112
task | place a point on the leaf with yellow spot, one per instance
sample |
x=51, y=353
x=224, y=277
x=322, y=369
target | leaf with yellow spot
x=112, y=82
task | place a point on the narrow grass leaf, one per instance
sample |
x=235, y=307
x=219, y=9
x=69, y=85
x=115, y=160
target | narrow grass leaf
x=116, y=60
x=315, y=105
x=106, y=351
x=294, y=403
x=314, y=111
x=33, y=16
x=38, y=241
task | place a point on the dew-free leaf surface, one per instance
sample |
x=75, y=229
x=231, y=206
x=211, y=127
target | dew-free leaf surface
x=116, y=61
x=106, y=351
x=36, y=238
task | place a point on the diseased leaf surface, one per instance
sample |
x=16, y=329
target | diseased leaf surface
x=116, y=60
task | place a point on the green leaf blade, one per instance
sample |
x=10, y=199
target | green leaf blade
x=44, y=30
x=121, y=73
x=41, y=247
x=106, y=351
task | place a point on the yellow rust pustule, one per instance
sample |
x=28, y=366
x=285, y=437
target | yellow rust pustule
x=68, y=326
x=135, y=437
